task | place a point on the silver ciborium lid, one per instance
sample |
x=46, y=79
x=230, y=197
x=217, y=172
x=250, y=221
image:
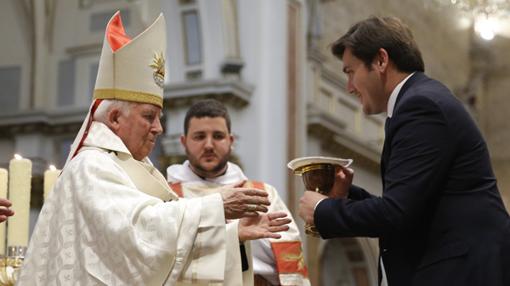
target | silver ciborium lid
x=297, y=164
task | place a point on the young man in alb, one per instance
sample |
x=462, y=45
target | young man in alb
x=208, y=141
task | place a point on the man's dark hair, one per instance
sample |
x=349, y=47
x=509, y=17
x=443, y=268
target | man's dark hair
x=206, y=108
x=365, y=38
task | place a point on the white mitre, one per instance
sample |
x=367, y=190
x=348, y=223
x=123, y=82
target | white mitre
x=136, y=70
x=129, y=69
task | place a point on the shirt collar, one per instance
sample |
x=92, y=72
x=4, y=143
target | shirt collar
x=394, y=94
x=183, y=173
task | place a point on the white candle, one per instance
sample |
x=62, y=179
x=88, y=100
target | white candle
x=50, y=177
x=3, y=194
x=20, y=176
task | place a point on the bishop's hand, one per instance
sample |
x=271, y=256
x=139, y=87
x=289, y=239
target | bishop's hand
x=243, y=202
x=263, y=226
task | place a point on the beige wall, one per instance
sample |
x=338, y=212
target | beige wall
x=494, y=105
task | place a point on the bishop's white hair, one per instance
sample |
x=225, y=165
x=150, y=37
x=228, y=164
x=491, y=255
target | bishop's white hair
x=107, y=105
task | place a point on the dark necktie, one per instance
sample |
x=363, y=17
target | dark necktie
x=387, y=125
x=384, y=151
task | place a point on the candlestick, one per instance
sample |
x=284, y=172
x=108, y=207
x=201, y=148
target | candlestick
x=50, y=177
x=20, y=175
x=3, y=194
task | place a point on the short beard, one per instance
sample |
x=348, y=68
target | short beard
x=217, y=171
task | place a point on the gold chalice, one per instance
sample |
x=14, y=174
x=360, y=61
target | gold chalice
x=318, y=175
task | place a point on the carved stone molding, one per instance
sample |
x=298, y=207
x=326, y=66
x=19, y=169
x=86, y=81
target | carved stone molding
x=41, y=122
x=235, y=92
x=87, y=4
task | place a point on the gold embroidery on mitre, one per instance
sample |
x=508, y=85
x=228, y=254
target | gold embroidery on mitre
x=128, y=95
x=292, y=257
x=158, y=65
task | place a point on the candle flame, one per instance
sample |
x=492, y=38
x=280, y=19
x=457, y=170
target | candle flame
x=18, y=157
x=53, y=168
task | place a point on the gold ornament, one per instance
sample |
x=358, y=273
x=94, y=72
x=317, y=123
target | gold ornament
x=158, y=65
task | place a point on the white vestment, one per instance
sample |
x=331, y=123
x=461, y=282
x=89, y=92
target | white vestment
x=262, y=260
x=101, y=226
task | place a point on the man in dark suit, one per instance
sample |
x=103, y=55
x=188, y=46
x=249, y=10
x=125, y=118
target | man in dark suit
x=440, y=220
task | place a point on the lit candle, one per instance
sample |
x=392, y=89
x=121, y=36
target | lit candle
x=50, y=177
x=20, y=176
x=3, y=194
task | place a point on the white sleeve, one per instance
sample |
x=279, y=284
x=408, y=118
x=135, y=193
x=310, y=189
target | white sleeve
x=97, y=228
x=233, y=267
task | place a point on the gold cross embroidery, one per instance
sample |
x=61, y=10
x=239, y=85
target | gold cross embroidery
x=292, y=257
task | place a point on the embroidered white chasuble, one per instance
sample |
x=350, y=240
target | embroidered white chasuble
x=98, y=228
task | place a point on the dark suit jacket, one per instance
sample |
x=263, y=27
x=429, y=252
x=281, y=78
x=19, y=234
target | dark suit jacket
x=440, y=220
